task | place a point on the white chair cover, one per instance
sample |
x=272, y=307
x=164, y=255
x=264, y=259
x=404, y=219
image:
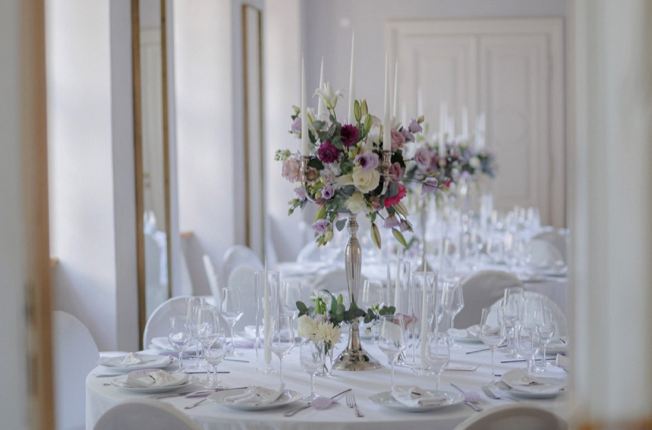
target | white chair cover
x=335, y=282
x=514, y=417
x=145, y=414
x=555, y=239
x=483, y=289
x=211, y=275
x=309, y=253
x=158, y=323
x=243, y=277
x=561, y=325
x=543, y=253
x=75, y=355
x=235, y=256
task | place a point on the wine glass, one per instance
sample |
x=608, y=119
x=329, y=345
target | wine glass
x=291, y=293
x=392, y=338
x=438, y=354
x=545, y=330
x=214, y=356
x=372, y=295
x=527, y=338
x=231, y=312
x=208, y=330
x=312, y=360
x=282, y=338
x=192, y=304
x=492, y=333
x=512, y=304
x=179, y=336
x=452, y=302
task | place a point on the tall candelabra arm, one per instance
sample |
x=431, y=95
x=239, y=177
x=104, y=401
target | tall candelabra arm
x=384, y=169
x=304, y=177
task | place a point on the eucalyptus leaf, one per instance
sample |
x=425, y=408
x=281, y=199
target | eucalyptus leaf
x=340, y=224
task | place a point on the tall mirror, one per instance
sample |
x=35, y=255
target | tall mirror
x=152, y=158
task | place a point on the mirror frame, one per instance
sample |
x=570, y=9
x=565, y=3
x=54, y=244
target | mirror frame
x=138, y=150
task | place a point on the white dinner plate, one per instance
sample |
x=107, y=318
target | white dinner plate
x=149, y=362
x=288, y=396
x=386, y=400
x=182, y=381
x=548, y=390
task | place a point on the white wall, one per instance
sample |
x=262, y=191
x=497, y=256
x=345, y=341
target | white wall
x=13, y=372
x=92, y=197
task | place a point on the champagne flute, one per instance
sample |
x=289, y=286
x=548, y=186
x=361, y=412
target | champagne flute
x=452, y=302
x=208, y=331
x=312, y=360
x=282, y=338
x=392, y=338
x=512, y=304
x=527, y=338
x=192, y=304
x=231, y=312
x=438, y=354
x=179, y=336
x=492, y=333
x=214, y=356
x=545, y=330
x=372, y=295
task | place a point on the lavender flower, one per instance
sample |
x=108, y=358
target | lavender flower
x=300, y=194
x=409, y=137
x=296, y=125
x=415, y=127
x=327, y=192
x=397, y=140
x=422, y=158
x=321, y=226
x=405, y=226
x=350, y=135
x=368, y=161
x=328, y=153
x=392, y=222
x=429, y=186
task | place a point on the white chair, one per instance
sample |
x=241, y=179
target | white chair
x=554, y=238
x=243, y=278
x=561, y=325
x=145, y=414
x=235, y=256
x=514, y=417
x=158, y=323
x=543, y=253
x=334, y=281
x=75, y=355
x=211, y=275
x=309, y=253
x=483, y=289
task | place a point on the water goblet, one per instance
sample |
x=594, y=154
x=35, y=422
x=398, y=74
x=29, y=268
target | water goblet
x=282, y=338
x=214, y=356
x=231, y=311
x=207, y=328
x=438, y=355
x=545, y=330
x=392, y=338
x=179, y=336
x=492, y=333
x=192, y=304
x=512, y=304
x=312, y=361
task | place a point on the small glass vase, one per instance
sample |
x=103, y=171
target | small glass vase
x=326, y=350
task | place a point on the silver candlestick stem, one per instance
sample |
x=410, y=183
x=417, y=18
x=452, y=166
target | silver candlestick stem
x=354, y=357
x=384, y=169
x=305, y=159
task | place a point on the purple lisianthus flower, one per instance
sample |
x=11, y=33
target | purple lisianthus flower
x=349, y=135
x=296, y=125
x=422, y=158
x=300, y=194
x=409, y=137
x=368, y=161
x=415, y=127
x=429, y=186
x=321, y=226
x=327, y=192
x=328, y=153
x=392, y=222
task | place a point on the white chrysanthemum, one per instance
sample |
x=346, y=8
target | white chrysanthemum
x=307, y=327
x=326, y=332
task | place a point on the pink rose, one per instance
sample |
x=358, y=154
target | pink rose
x=290, y=170
x=396, y=172
x=397, y=140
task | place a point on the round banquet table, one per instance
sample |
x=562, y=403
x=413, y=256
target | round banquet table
x=101, y=397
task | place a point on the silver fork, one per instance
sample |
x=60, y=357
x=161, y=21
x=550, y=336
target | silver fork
x=492, y=395
x=351, y=403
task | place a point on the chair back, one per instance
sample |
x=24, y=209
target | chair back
x=561, y=324
x=514, y=417
x=75, y=355
x=145, y=414
x=555, y=239
x=211, y=275
x=158, y=324
x=483, y=289
x=235, y=256
x=543, y=253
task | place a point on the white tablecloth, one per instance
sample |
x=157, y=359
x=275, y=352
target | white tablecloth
x=99, y=398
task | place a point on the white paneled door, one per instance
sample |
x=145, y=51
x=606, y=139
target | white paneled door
x=513, y=71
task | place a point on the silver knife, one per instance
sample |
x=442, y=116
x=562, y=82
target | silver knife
x=306, y=406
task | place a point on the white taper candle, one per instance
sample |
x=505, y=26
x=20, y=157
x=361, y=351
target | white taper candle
x=395, y=107
x=352, y=80
x=320, y=105
x=387, y=135
x=304, y=112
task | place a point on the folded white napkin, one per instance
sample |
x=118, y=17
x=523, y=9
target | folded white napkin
x=134, y=359
x=255, y=396
x=415, y=397
x=520, y=380
x=473, y=332
x=157, y=378
x=131, y=359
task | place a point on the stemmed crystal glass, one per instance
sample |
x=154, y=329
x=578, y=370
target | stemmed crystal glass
x=231, y=312
x=392, y=338
x=179, y=336
x=527, y=338
x=214, y=356
x=452, y=302
x=512, y=305
x=545, y=330
x=192, y=304
x=372, y=295
x=208, y=331
x=282, y=338
x=492, y=333
x=312, y=360
x=438, y=354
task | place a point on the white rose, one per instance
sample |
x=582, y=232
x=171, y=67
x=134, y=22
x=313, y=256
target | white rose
x=356, y=203
x=365, y=181
x=474, y=162
x=306, y=326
